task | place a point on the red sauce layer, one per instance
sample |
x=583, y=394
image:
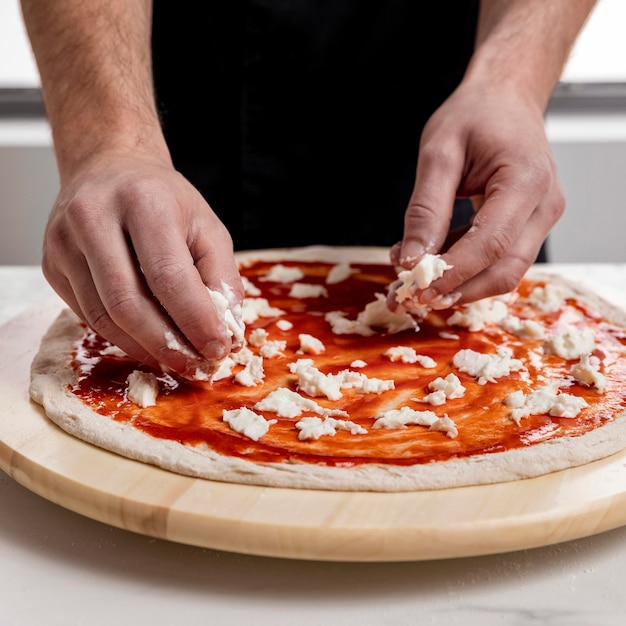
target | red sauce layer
x=191, y=412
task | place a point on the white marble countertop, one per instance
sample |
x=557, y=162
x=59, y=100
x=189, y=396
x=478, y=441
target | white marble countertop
x=59, y=568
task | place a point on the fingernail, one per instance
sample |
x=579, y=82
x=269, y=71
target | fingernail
x=412, y=251
x=214, y=350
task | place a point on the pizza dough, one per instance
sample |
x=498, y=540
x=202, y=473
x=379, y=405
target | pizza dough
x=53, y=382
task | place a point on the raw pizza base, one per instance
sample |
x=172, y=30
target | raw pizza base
x=52, y=374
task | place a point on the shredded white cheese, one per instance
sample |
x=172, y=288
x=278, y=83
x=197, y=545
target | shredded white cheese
x=406, y=416
x=315, y=427
x=487, y=367
x=143, y=388
x=282, y=274
x=586, y=372
x=339, y=272
x=571, y=345
x=443, y=389
x=247, y=422
x=310, y=344
x=477, y=315
x=287, y=403
x=254, y=308
x=304, y=290
x=545, y=400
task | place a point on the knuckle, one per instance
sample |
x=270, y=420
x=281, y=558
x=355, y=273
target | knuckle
x=165, y=275
x=499, y=243
x=504, y=282
x=120, y=309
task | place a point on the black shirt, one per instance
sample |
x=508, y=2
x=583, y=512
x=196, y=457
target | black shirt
x=299, y=120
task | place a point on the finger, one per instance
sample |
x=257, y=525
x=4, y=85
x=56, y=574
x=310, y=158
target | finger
x=123, y=310
x=218, y=270
x=511, y=196
x=168, y=259
x=429, y=212
x=75, y=286
x=504, y=273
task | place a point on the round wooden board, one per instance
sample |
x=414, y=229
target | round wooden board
x=304, y=524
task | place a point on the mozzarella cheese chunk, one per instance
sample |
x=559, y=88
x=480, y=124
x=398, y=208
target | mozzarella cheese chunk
x=247, y=422
x=282, y=274
x=522, y=328
x=287, y=403
x=586, y=373
x=310, y=344
x=249, y=288
x=315, y=427
x=284, y=324
x=407, y=354
x=406, y=416
x=254, y=308
x=486, y=367
x=338, y=273
x=430, y=268
x=545, y=400
x=549, y=298
x=230, y=311
x=304, y=290
x=443, y=389
x=252, y=374
x=143, y=388
x=315, y=383
x=477, y=315
x=571, y=345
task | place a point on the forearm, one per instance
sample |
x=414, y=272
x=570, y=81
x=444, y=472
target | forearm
x=524, y=44
x=96, y=76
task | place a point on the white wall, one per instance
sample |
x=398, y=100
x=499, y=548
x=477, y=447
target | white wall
x=590, y=150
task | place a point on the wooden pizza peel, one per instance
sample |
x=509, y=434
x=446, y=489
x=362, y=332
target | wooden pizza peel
x=302, y=524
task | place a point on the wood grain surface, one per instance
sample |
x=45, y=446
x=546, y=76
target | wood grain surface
x=303, y=524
